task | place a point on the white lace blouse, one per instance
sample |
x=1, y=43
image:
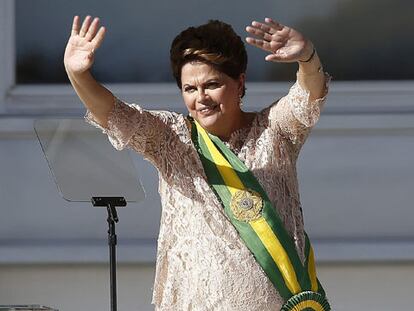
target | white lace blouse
x=202, y=264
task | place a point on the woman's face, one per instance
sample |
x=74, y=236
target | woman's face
x=212, y=97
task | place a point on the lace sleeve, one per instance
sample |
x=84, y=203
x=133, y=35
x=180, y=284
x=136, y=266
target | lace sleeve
x=141, y=130
x=294, y=115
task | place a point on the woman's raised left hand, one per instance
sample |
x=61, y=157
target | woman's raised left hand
x=285, y=44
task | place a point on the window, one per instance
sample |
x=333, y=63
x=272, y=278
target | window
x=354, y=38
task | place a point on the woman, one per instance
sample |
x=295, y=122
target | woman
x=231, y=234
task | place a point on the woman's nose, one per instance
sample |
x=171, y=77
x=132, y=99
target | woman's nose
x=201, y=95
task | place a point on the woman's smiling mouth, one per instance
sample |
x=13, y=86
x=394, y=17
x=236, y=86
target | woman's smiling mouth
x=207, y=109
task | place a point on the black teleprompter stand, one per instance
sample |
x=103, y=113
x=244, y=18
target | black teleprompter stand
x=111, y=203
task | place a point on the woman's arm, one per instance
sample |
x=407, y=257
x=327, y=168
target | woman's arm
x=78, y=59
x=296, y=113
x=310, y=75
x=286, y=45
x=127, y=125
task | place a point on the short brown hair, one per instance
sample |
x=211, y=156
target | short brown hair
x=214, y=43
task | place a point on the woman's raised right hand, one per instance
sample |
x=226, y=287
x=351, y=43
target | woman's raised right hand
x=82, y=45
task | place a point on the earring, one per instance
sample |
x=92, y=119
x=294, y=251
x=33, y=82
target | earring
x=240, y=101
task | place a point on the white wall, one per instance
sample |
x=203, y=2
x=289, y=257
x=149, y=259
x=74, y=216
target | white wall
x=355, y=175
x=368, y=287
x=76, y=287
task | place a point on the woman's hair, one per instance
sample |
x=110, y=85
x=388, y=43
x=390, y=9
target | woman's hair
x=214, y=43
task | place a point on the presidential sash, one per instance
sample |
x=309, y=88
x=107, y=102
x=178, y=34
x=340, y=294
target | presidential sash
x=249, y=209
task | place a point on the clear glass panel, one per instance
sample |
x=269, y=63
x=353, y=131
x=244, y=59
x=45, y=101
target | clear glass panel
x=84, y=163
x=357, y=40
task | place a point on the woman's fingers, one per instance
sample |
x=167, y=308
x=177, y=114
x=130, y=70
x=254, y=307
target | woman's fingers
x=75, y=26
x=85, y=26
x=273, y=23
x=97, y=40
x=259, y=33
x=270, y=31
x=264, y=27
x=92, y=29
x=284, y=43
x=258, y=43
x=271, y=37
x=263, y=44
x=272, y=46
x=275, y=58
x=89, y=30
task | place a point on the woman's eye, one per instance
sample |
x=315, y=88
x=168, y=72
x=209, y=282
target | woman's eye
x=189, y=89
x=212, y=85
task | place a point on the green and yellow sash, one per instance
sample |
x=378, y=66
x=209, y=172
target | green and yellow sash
x=251, y=212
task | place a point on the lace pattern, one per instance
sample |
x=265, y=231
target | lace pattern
x=202, y=264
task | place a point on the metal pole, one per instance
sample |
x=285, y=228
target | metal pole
x=112, y=241
x=111, y=203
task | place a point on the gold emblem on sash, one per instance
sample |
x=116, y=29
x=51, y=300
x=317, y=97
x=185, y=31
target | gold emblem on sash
x=246, y=205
